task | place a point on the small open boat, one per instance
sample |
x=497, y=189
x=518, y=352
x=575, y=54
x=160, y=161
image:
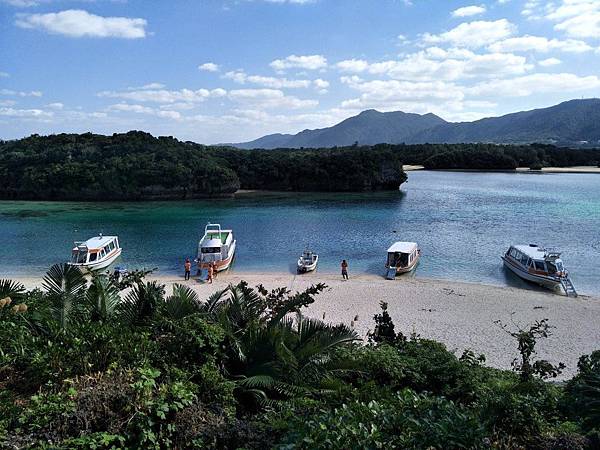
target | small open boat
x=95, y=253
x=402, y=257
x=307, y=262
x=539, y=265
x=216, y=247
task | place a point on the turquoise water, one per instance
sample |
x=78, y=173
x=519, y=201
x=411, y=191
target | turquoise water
x=462, y=222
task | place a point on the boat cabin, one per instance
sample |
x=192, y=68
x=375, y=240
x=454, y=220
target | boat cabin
x=217, y=246
x=95, y=250
x=402, y=254
x=537, y=260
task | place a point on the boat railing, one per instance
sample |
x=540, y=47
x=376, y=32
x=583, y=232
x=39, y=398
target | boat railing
x=214, y=227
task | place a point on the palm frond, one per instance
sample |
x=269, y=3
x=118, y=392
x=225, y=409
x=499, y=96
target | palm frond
x=12, y=289
x=102, y=297
x=65, y=286
x=140, y=305
x=183, y=302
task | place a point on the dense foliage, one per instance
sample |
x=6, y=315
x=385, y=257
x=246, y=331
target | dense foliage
x=137, y=166
x=94, y=364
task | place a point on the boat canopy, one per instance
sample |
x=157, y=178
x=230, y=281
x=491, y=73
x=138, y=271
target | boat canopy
x=403, y=247
x=538, y=253
x=95, y=243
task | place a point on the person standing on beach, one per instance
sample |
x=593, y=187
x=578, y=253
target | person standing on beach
x=344, y=269
x=188, y=268
x=210, y=273
x=215, y=271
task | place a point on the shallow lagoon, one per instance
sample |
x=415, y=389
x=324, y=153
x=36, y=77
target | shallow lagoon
x=462, y=221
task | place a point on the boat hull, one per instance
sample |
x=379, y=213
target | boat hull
x=222, y=264
x=99, y=265
x=303, y=268
x=546, y=282
x=409, y=268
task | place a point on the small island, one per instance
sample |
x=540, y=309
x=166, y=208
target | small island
x=138, y=166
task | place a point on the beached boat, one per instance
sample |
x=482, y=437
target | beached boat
x=402, y=257
x=96, y=253
x=307, y=262
x=539, y=265
x=216, y=247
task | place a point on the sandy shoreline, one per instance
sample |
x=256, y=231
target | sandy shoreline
x=573, y=169
x=459, y=314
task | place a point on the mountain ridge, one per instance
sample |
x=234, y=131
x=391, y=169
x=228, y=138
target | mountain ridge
x=570, y=123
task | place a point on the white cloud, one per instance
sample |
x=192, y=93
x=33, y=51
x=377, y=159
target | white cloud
x=166, y=96
x=387, y=95
x=147, y=86
x=79, y=23
x=20, y=93
x=241, y=77
x=269, y=99
x=56, y=105
x=295, y=2
x=25, y=113
x=353, y=65
x=468, y=11
x=4, y=75
x=435, y=63
x=140, y=109
x=549, y=62
x=577, y=18
x=209, y=67
x=538, y=83
x=21, y=3
x=539, y=44
x=306, y=62
x=474, y=34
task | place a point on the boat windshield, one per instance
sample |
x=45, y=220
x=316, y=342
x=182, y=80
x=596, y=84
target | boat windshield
x=211, y=250
x=79, y=257
x=556, y=266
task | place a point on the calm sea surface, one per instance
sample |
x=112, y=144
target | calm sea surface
x=462, y=222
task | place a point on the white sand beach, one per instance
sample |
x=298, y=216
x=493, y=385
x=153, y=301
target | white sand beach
x=461, y=315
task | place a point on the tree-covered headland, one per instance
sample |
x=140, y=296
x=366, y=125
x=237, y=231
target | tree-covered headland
x=138, y=166
x=109, y=364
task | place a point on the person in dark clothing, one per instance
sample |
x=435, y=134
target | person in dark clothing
x=188, y=268
x=344, y=269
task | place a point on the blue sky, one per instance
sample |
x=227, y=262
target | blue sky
x=233, y=70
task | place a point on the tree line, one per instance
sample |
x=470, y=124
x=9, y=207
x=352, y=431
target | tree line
x=139, y=166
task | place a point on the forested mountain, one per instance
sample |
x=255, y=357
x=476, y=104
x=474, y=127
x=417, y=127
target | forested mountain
x=572, y=123
x=368, y=128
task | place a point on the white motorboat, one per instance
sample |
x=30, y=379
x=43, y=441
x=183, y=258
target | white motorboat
x=96, y=253
x=216, y=247
x=539, y=265
x=307, y=262
x=402, y=257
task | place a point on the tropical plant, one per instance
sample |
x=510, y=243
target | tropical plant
x=182, y=303
x=140, y=305
x=11, y=289
x=102, y=298
x=65, y=286
x=527, y=340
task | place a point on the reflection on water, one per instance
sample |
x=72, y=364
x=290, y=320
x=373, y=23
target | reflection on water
x=462, y=222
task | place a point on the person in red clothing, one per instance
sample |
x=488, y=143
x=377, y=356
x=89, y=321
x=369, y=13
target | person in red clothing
x=188, y=268
x=344, y=269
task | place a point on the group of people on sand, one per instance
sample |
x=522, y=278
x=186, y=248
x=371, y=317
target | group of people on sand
x=212, y=270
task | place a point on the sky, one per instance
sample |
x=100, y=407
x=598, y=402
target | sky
x=233, y=70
